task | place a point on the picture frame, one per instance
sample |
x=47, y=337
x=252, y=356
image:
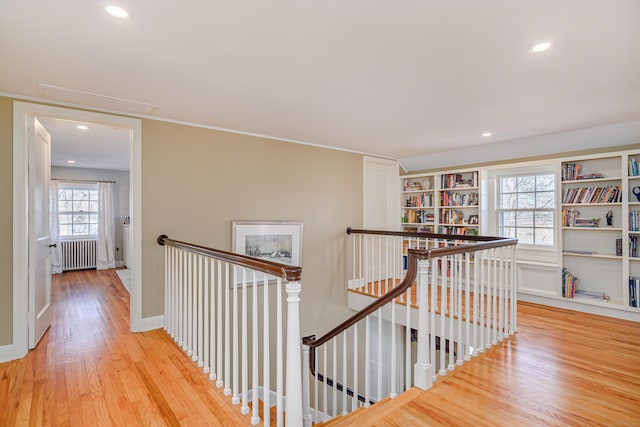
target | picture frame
x=473, y=219
x=278, y=241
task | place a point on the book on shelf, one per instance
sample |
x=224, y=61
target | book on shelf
x=592, y=194
x=569, y=217
x=424, y=200
x=453, y=198
x=593, y=294
x=633, y=166
x=634, y=289
x=633, y=246
x=578, y=252
x=459, y=180
x=590, y=176
x=634, y=224
x=569, y=284
x=587, y=222
x=618, y=247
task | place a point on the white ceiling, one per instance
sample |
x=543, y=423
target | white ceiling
x=99, y=147
x=397, y=79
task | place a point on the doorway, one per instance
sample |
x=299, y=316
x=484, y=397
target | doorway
x=21, y=115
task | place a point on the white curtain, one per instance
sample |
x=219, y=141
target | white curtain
x=106, y=227
x=54, y=229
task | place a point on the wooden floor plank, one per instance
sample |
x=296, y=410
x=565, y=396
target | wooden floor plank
x=90, y=370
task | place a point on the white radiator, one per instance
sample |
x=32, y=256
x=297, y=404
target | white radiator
x=78, y=254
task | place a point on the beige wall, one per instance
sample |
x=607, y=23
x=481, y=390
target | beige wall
x=196, y=181
x=6, y=221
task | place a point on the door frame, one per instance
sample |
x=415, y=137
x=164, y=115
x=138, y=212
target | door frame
x=22, y=111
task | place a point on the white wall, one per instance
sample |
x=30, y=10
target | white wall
x=120, y=192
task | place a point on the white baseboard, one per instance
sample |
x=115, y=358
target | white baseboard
x=9, y=352
x=150, y=323
x=119, y=264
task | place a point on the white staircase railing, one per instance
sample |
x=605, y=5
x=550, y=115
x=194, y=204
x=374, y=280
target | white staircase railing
x=218, y=309
x=454, y=295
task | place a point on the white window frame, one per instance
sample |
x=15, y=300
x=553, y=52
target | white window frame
x=527, y=253
x=76, y=186
x=553, y=210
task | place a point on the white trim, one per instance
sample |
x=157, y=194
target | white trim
x=21, y=111
x=150, y=323
x=9, y=352
x=185, y=123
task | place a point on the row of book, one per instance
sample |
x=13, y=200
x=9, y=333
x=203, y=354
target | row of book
x=570, y=171
x=451, y=216
x=570, y=218
x=634, y=221
x=459, y=180
x=633, y=246
x=569, y=284
x=453, y=198
x=417, y=217
x=634, y=289
x=633, y=166
x=603, y=194
x=424, y=200
x=460, y=231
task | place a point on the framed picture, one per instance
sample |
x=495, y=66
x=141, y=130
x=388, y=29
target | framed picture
x=473, y=219
x=277, y=241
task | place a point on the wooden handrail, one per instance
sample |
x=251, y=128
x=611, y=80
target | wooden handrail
x=425, y=235
x=414, y=255
x=287, y=272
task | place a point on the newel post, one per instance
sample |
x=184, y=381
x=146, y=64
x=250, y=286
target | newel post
x=293, y=366
x=423, y=370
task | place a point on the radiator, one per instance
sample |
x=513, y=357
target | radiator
x=78, y=254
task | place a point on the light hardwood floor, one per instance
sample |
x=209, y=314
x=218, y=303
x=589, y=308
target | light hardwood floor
x=90, y=370
x=562, y=368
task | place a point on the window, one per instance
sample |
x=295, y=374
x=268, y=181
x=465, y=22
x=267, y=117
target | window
x=78, y=210
x=526, y=206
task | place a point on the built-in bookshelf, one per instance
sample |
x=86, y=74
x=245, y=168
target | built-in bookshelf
x=418, y=203
x=599, y=218
x=445, y=203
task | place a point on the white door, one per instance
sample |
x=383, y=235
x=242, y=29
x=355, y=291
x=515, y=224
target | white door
x=381, y=194
x=40, y=313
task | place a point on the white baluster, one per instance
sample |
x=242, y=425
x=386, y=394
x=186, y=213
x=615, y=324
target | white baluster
x=501, y=299
x=453, y=273
x=334, y=344
x=355, y=402
x=279, y=372
x=367, y=363
x=212, y=284
x=394, y=387
x=467, y=306
x=481, y=298
x=514, y=293
x=407, y=341
x=435, y=275
x=235, y=361
x=255, y=419
x=360, y=257
x=443, y=311
x=266, y=380
x=476, y=307
x=167, y=316
x=316, y=407
x=459, y=339
x=379, y=357
x=183, y=300
x=294, y=381
x=207, y=314
x=244, y=409
x=325, y=382
x=386, y=263
x=189, y=304
x=494, y=324
x=221, y=289
x=227, y=334
x=198, y=312
x=344, y=373
x=307, y=420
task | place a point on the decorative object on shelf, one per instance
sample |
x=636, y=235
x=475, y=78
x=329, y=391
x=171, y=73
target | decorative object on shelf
x=636, y=192
x=609, y=217
x=277, y=241
x=473, y=219
x=593, y=294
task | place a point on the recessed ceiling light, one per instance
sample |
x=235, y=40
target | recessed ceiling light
x=117, y=11
x=540, y=47
x=82, y=127
x=71, y=161
x=486, y=134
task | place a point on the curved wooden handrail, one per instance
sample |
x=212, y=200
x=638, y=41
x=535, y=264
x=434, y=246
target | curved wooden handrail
x=414, y=255
x=287, y=272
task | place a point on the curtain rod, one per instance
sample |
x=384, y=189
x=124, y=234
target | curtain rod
x=84, y=180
